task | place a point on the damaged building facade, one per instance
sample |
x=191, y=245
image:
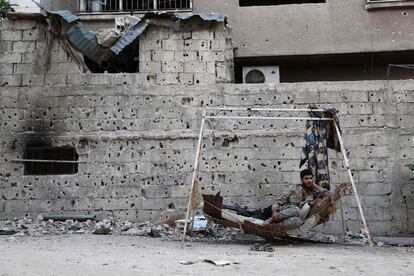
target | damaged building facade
x=123, y=144
x=298, y=40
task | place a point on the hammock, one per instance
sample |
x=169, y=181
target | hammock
x=323, y=206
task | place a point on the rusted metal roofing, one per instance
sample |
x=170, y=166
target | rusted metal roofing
x=86, y=42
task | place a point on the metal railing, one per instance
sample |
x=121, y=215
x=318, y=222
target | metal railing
x=111, y=6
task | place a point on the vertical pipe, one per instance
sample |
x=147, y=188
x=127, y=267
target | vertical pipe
x=121, y=5
x=195, y=172
x=364, y=222
x=155, y=5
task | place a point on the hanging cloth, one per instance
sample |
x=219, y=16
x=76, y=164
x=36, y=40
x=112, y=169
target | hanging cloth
x=319, y=136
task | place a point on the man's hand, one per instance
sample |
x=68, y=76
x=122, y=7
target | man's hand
x=273, y=218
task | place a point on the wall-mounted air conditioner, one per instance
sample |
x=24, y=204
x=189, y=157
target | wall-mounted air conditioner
x=261, y=74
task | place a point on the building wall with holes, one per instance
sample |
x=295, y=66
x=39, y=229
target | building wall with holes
x=136, y=147
x=30, y=55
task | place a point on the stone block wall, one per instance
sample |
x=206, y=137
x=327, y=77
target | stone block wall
x=29, y=56
x=201, y=56
x=136, y=147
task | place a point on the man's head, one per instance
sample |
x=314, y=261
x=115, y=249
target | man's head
x=307, y=178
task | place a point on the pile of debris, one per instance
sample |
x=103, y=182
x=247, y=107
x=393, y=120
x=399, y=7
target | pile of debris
x=203, y=231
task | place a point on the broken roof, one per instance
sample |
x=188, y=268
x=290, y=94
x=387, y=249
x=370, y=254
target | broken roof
x=86, y=42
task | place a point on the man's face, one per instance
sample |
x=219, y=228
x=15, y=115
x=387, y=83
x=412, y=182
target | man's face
x=308, y=181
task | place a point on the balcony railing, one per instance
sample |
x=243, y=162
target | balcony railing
x=114, y=6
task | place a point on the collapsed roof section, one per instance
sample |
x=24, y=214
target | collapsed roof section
x=68, y=26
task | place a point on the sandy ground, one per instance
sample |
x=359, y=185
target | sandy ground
x=124, y=255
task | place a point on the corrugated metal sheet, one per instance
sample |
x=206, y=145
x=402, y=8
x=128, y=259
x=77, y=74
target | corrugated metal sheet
x=86, y=42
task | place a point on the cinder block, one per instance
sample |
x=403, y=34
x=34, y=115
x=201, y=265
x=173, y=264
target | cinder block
x=29, y=57
x=173, y=45
x=55, y=79
x=204, y=78
x=6, y=46
x=23, y=68
x=203, y=34
x=149, y=45
x=167, y=78
x=6, y=24
x=29, y=35
x=205, y=56
x=154, y=204
x=22, y=47
x=221, y=56
x=15, y=35
x=211, y=67
x=195, y=67
x=162, y=56
x=218, y=44
x=6, y=69
x=172, y=67
x=145, y=56
x=143, y=79
x=74, y=79
x=197, y=45
x=185, y=56
x=150, y=67
x=10, y=80
x=10, y=58
x=179, y=35
x=64, y=68
x=33, y=80
x=186, y=79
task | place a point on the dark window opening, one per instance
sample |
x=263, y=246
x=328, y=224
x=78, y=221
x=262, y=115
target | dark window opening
x=249, y=3
x=50, y=160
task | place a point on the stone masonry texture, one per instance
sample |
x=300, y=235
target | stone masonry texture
x=136, y=144
x=31, y=56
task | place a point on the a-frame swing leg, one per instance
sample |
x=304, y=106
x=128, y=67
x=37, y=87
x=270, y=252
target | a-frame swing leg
x=351, y=178
x=195, y=174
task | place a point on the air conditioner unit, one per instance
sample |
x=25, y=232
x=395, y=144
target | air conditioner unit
x=261, y=74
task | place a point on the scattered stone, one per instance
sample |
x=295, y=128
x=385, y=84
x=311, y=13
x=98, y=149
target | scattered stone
x=7, y=232
x=102, y=231
x=380, y=244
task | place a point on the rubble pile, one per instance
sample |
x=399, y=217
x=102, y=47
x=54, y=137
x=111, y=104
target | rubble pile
x=36, y=227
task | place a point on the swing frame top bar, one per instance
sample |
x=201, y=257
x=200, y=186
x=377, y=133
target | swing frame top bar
x=219, y=109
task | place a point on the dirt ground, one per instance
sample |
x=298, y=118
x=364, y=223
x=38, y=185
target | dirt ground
x=125, y=255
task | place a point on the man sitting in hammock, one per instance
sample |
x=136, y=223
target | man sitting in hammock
x=291, y=209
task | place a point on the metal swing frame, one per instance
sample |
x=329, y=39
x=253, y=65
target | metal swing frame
x=218, y=115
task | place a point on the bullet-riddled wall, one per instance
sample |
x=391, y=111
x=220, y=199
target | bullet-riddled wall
x=136, y=147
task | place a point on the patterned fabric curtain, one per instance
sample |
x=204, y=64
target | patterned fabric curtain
x=319, y=136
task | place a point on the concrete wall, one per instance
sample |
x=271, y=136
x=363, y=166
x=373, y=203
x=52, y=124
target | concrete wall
x=336, y=26
x=137, y=144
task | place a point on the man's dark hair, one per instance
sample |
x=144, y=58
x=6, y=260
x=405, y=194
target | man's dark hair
x=305, y=172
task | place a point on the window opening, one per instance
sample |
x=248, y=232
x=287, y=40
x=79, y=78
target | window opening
x=44, y=160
